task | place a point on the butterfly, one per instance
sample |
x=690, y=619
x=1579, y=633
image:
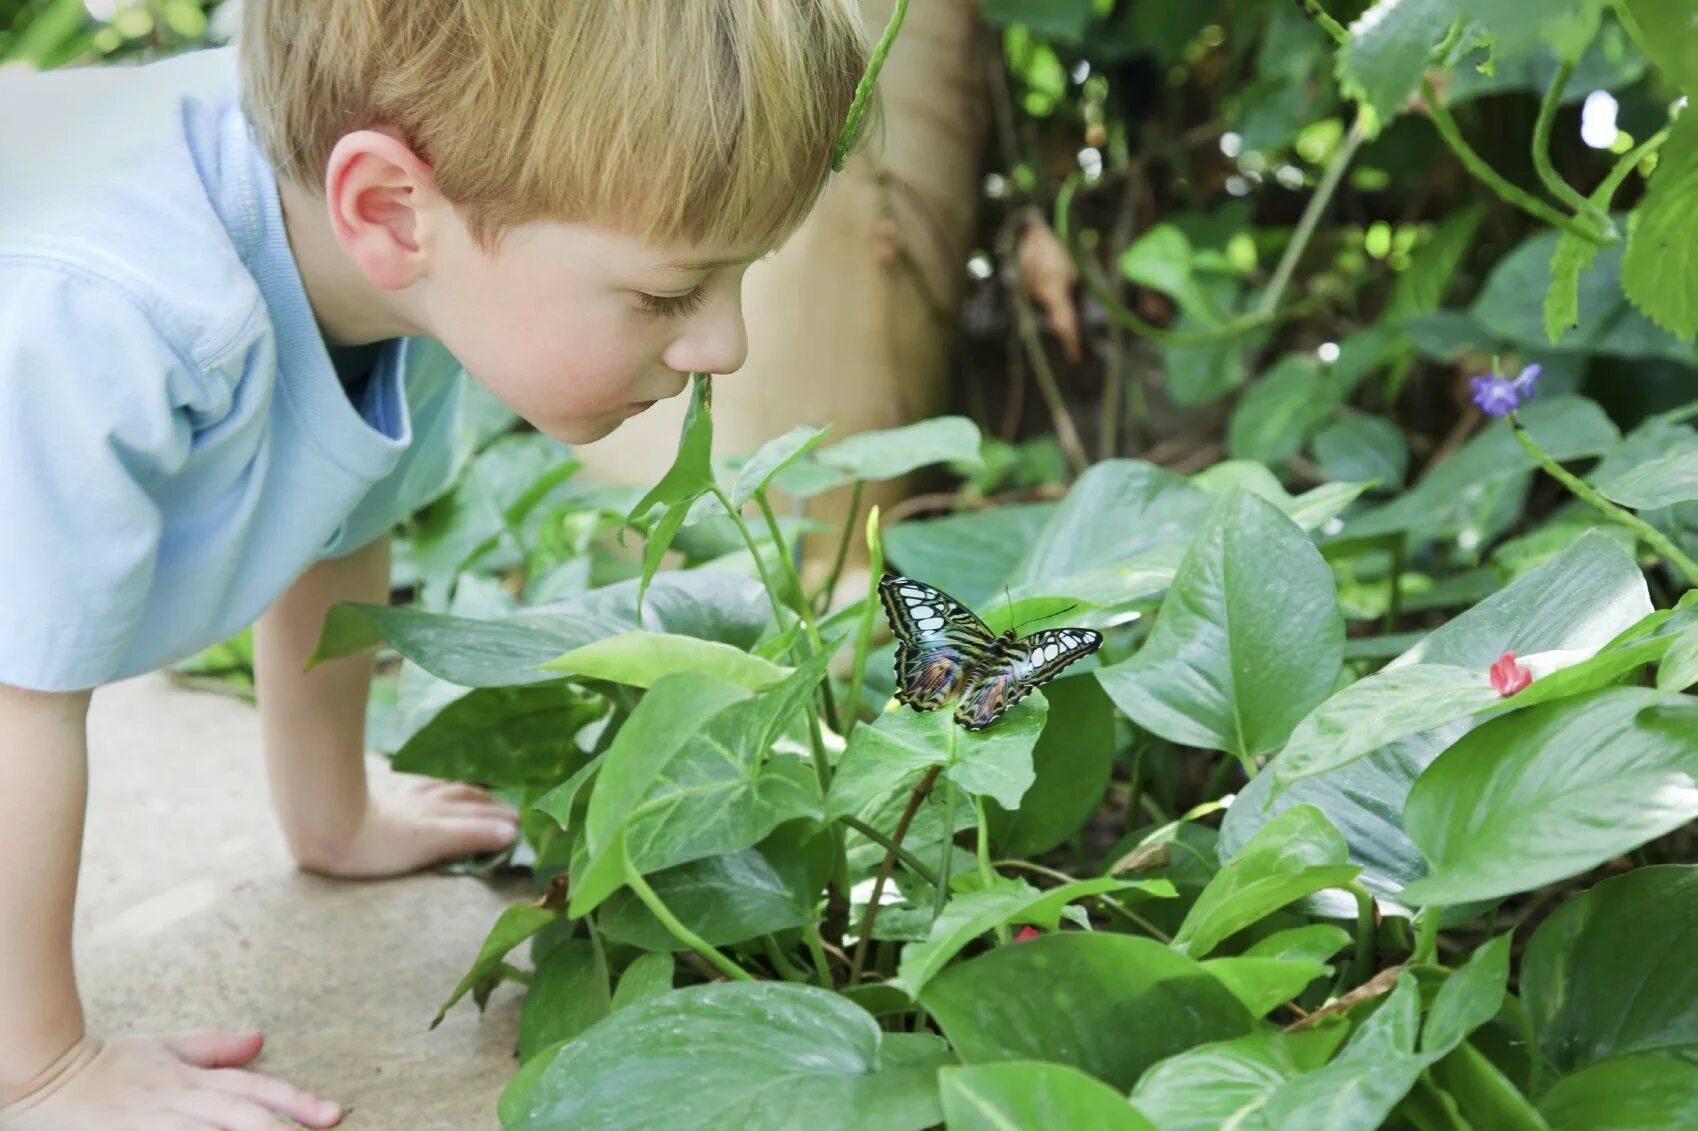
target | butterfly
x=944, y=651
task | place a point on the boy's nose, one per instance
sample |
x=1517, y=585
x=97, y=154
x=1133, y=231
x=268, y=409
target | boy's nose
x=715, y=342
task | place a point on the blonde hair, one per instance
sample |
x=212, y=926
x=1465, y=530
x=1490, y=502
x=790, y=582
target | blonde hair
x=681, y=122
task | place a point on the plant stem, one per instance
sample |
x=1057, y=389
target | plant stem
x=864, y=630
x=1311, y=218
x=754, y=551
x=821, y=600
x=1587, y=493
x=1026, y=323
x=947, y=864
x=923, y=787
x=1492, y=179
x=1427, y=938
x=634, y=879
x=806, y=612
x=1604, y=195
x=864, y=90
x=914, y=864
x=1332, y=27
x=816, y=947
x=787, y=969
x=1106, y=900
x=1559, y=187
x=986, y=873
x=1362, y=960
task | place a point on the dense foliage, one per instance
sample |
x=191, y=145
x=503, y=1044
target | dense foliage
x=1372, y=809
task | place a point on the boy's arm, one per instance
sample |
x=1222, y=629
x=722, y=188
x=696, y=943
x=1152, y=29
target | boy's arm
x=314, y=722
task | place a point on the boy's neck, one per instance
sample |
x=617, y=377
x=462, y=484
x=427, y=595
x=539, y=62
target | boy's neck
x=349, y=309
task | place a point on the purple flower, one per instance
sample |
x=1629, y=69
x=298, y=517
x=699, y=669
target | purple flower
x=1499, y=396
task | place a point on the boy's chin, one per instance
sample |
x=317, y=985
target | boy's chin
x=585, y=430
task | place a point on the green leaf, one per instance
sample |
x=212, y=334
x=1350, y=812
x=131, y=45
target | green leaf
x=1264, y=984
x=1014, y=1094
x=724, y=899
x=1311, y=510
x=1072, y=763
x=1110, y=1005
x=1659, y=272
x=1572, y=256
x=1387, y=705
x=1640, y=1093
x=1421, y=288
x=1361, y=448
x=1614, y=972
x=518, y=922
x=503, y=736
x=1469, y=998
x=691, y=473
x=1662, y=480
x=640, y=658
x=773, y=457
x=970, y=554
x=1664, y=31
x=1224, y=1084
x=716, y=1056
x=1295, y=854
x=967, y=916
x=1162, y=259
x=1387, y=54
x=1281, y=410
x=1357, y=1090
x=897, y=451
x=568, y=993
x=649, y=975
x=1679, y=669
x=1240, y=653
x=1314, y=943
x=1546, y=793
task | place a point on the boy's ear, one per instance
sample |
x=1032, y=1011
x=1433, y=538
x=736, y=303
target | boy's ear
x=377, y=190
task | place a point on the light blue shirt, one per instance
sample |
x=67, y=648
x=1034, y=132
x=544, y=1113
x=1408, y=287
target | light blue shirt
x=175, y=445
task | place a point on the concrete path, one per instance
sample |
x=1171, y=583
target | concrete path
x=191, y=915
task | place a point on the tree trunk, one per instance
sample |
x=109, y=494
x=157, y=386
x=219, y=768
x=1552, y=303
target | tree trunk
x=852, y=323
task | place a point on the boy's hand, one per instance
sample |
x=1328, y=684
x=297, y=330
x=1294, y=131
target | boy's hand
x=426, y=820
x=184, y=1082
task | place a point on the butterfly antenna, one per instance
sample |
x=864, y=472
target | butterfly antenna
x=1047, y=616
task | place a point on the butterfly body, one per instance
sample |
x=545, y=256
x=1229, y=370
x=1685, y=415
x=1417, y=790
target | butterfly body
x=944, y=652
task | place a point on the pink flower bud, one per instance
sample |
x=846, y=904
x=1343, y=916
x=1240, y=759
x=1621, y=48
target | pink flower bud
x=1026, y=933
x=1508, y=677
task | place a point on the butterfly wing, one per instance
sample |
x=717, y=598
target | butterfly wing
x=938, y=641
x=1023, y=665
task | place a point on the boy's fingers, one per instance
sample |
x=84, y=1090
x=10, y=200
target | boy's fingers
x=215, y=1048
x=301, y=1106
x=227, y=1112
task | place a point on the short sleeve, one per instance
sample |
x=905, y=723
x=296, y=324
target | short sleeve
x=88, y=427
x=434, y=381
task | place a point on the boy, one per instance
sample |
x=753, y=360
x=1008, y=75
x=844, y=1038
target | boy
x=234, y=303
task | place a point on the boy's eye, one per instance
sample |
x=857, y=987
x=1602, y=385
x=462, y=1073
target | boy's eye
x=673, y=305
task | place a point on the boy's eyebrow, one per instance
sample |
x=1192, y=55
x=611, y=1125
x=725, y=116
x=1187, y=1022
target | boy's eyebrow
x=699, y=264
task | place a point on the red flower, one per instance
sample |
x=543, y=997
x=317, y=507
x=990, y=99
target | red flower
x=1026, y=933
x=1508, y=677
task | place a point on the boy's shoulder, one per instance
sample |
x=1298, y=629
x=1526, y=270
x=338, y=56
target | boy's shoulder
x=143, y=177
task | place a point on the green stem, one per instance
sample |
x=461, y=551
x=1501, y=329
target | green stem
x=1339, y=33
x=634, y=879
x=1311, y=218
x=1584, y=491
x=816, y=947
x=787, y=969
x=864, y=91
x=986, y=873
x=754, y=551
x=858, y=962
x=1108, y=901
x=1427, y=940
x=806, y=612
x=913, y=863
x=946, y=865
x=821, y=600
x=1604, y=195
x=864, y=630
x=1492, y=179
x=1559, y=187
x=1362, y=960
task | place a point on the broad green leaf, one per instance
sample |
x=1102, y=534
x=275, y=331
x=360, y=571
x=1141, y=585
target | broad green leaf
x=1110, y=1005
x=1387, y=54
x=691, y=472
x=567, y=994
x=1359, y=1088
x=887, y=754
x=897, y=451
x=560, y=801
x=757, y=1056
x=724, y=899
x=1223, y=1084
x=1387, y=705
x=1661, y=481
x=1665, y=33
x=1282, y=409
x=1679, y=669
x=659, y=540
x=1014, y=1094
x=1460, y=493
x=1637, y=1093
x=503, y=736
x=1314, y=943
x=708, y=604
x=1660, y=270
x=1072, y=761
x=1240, y=652
x=1361, y=448
x=1485, y=1091
x=1545, y=793
x=1162, y=259
x=640, y=658
x=517, y=922
x=971, y=554
x=649, y=975
x=1614, y=972
x=1263, y=984
x=1469, y=998
x=1572, y=256
x=1311, y=510
x=772, y=457
x=1294, y=855
x=971, y=914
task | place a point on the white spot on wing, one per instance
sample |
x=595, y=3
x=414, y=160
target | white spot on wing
x=910, y=591
x=920, y=610
x=931, y=624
